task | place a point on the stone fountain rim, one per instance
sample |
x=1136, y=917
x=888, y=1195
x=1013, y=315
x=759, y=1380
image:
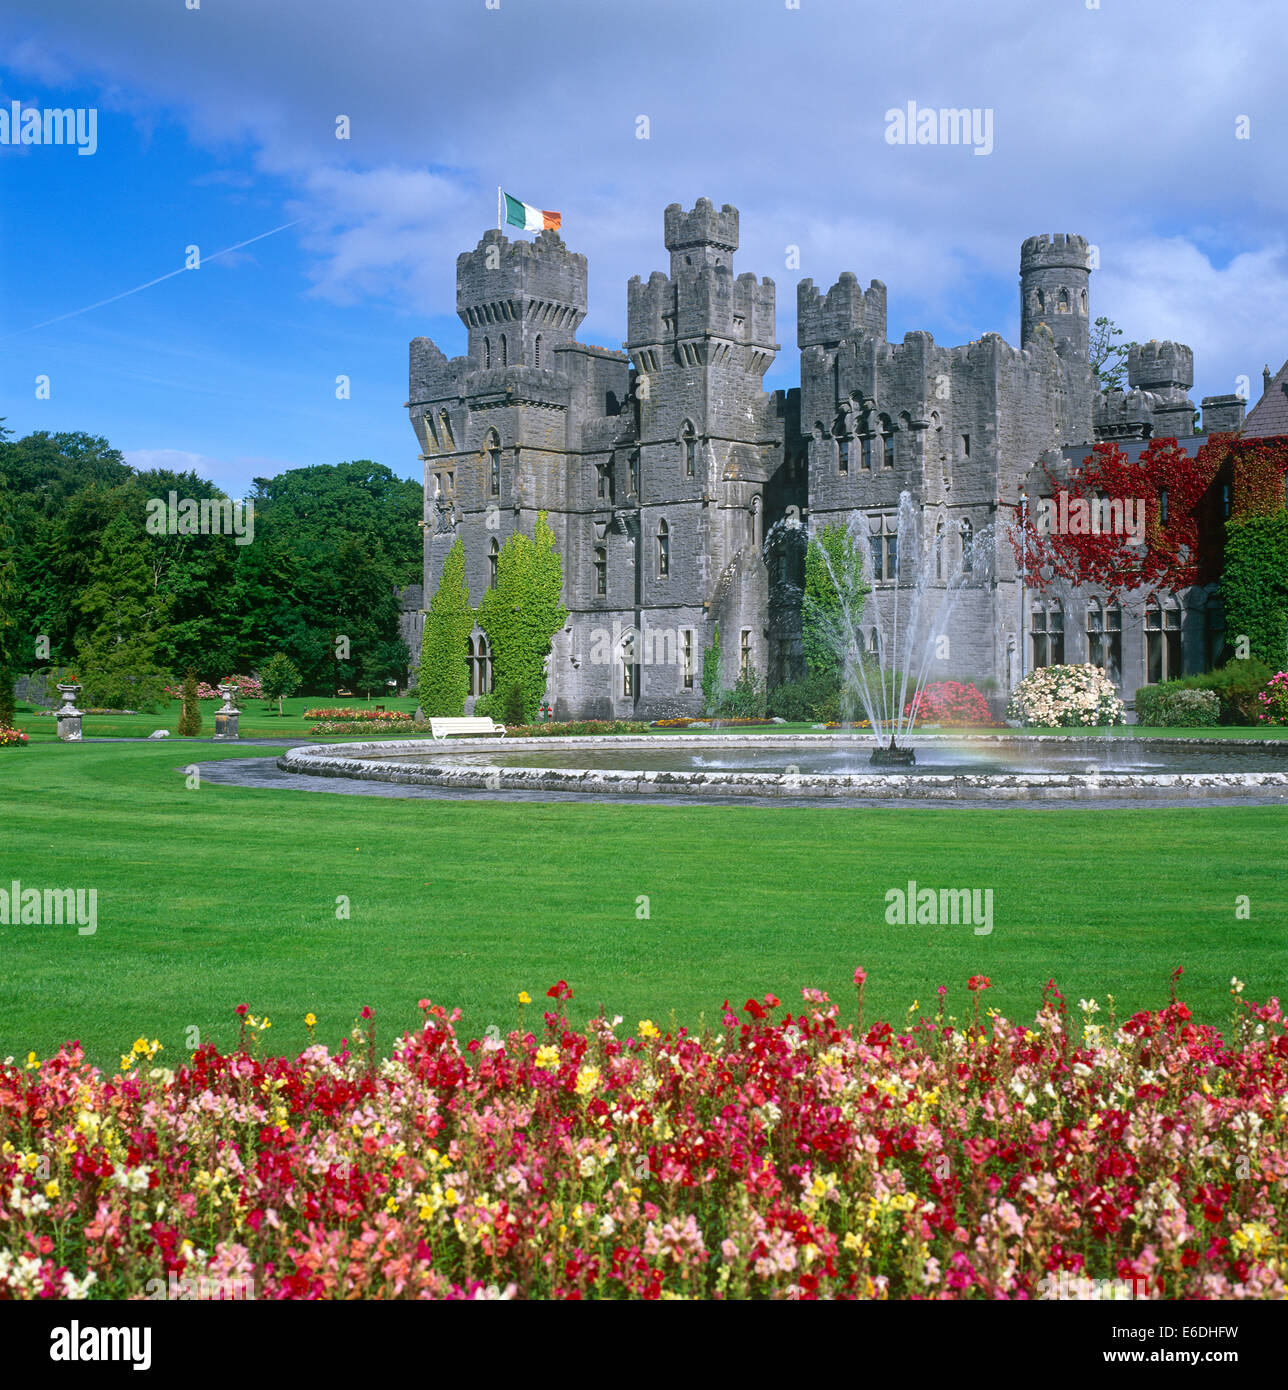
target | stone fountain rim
x=439, y=770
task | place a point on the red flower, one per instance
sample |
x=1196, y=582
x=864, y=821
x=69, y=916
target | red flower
x=242, y=1010
x=978, y=982
x=771, y=1001
x=366, y=1011
x=860, y=975
x=754, y=1009
x=559, y=991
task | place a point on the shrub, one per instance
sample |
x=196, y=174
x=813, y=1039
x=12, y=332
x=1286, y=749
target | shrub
x=747, y=698
x=1066, y=696
x=6, y=698
x=812, y=698
x=1177, y=708
x=373, y=716
x=190, y=715
x=1274, y=700
x=951, y=704
x=1236, y=686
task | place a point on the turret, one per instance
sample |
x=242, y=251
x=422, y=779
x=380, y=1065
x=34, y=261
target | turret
x=1166, y=371
x=1054, y=276
x=845, y=313
x=519, y=299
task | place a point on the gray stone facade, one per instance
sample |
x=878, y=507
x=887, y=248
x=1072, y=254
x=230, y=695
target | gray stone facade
x=666, y=469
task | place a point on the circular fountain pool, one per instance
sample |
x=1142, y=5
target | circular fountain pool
x=778, y=767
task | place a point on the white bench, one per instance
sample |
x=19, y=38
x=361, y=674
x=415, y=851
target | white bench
x=441, y=728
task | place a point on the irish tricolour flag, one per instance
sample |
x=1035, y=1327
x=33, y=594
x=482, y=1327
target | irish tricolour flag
x=511, y=212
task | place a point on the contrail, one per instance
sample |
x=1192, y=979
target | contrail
x=147, y=285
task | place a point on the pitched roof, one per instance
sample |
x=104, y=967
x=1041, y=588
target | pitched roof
x=1270, y=414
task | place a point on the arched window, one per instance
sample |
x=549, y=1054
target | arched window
x=1162, y=506
x=1162, y=641
x=494, y=462
x=690, y=448
x=493, y=560
x=887, y=442
x=487, y=352
x=968, y=546
x=601, y=480
x=478, y=662
x=757, y=522
x=1105, y=638
x=663, y=550
x=842, y=455
x=1047, y=626
x=635, y=472
x=1063, y=306
x=601, y=570
x=885, y=549
x=865, y=453
x=505, y=352
x=536, y=351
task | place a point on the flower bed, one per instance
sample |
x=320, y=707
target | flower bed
x=375, y=716
x=12, y=738
x=1064, y=696
x=248, y=688
x=363, y=726
x=788, y=1156
x=950, y=704
x=577, y=726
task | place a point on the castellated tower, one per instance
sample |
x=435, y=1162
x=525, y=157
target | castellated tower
x=1054, y=275
x=1166, y=371
x=709, y=439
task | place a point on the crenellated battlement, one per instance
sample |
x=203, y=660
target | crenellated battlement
x=1160, y=366
x=846, y=312
x=701, y=237
x=1057, y=250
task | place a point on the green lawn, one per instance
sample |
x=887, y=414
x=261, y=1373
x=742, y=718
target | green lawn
x=215, y=896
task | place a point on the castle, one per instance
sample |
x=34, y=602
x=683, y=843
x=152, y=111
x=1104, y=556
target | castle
x=663, y=469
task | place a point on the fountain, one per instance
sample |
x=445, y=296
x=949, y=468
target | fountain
x=881, y=676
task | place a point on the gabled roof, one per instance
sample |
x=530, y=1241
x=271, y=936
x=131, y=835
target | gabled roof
x=1270, y=414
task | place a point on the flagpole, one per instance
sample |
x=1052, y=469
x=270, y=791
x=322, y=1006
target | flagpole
x=499, y=196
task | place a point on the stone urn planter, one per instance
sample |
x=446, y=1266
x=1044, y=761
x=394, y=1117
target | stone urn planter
x=226, y=715
x=69, y=717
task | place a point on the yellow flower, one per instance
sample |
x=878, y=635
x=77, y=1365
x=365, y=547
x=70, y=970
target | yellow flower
x=265, y=1024
x=587, y=1080
x=547, y=1058
x=140, y=1046
x=31, y=1060
x=310, y=1021
x=127, y=1061
x=648, y=1029
x=524, y=997
x=51, y=1189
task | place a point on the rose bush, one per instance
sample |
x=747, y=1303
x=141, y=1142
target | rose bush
x=1061, y=696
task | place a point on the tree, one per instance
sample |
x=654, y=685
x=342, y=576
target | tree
x=279, y=678
x=833, y=603
x=444, y=677
x=190, y=716
x=8, y=598
x=1108, y=359
x=127, y=617
x=521, y=616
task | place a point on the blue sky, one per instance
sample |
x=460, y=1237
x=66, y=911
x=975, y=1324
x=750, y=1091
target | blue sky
x=215, y=125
